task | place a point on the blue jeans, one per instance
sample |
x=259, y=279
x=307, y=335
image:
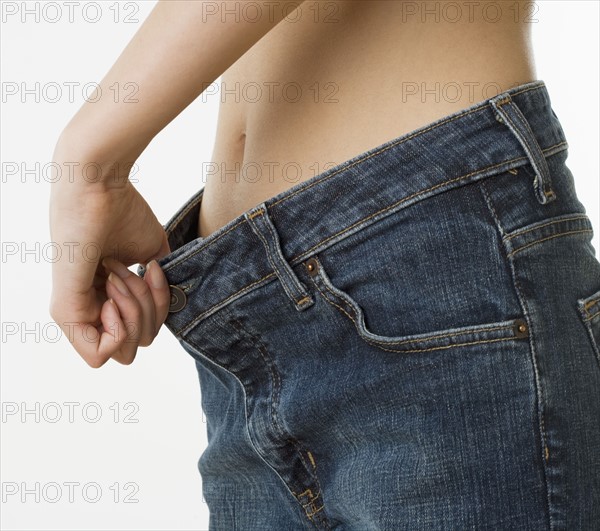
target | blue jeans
x=408, y=340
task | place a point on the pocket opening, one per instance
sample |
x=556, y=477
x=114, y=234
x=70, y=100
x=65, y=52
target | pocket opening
x=514, y=328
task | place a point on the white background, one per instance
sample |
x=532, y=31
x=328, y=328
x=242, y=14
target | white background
x=159, y=452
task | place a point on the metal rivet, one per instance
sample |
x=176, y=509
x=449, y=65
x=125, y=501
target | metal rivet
x=521, y=329
x=312, y=266
x=178, y=299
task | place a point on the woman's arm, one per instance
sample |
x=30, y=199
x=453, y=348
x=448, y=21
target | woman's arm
x=181, y=48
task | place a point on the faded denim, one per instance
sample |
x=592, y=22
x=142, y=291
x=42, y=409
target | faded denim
x=407, y=341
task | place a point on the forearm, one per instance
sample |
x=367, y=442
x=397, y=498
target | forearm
x=180, y=49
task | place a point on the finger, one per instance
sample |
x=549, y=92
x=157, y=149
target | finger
x=131, y=313
x=118, y=355
x=96, y=346
x=159, y=287
x=143, y=296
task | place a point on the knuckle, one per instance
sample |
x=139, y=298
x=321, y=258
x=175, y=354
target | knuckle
x=95, y=362
x=145, y=342
x=140, y=289
x=129, y=360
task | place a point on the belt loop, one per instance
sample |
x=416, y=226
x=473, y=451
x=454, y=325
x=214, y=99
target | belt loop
x=263, y=227
x=508, y=113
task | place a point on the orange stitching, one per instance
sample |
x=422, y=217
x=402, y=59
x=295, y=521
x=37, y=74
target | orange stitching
x=312, y=460
x=289, y=196
x=586, y=319
x=431, y=338
x=410, y=197
x=404, y=139
x=185, y=212
x=375, y=342
x=398, y=203
x=305, y=493
x=224, y=301
x=591, y=303
x=311, y=502
x=257, y=213
x=504, y=100
x=271, y=261
x=513, y=171
x=307, y=298
x=331, y=237
x=531, y=151
x=312, y=497
x=523, y=231
x=314, y=512
x=209, y=243
x=288, y=274
x=276, y=389
x=547, y=238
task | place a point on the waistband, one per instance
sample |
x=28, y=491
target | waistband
x=263, y=244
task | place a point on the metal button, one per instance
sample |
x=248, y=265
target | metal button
x=312, y=266
x=520, y=328
x=178, y=299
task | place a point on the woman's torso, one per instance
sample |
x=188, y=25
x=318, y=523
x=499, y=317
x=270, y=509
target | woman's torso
x=339, y=78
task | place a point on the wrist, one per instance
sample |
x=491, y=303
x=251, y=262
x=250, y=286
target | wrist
x=79, y=163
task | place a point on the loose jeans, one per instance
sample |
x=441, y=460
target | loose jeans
x=406, y=341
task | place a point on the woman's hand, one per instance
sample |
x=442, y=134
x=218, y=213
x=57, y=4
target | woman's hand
x=105, y=310
x=180, y=49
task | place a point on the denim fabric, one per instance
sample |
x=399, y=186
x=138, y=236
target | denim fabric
x=407, y=341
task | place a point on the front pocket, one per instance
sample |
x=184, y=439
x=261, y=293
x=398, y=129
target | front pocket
x=506, y=330
x=589, y=312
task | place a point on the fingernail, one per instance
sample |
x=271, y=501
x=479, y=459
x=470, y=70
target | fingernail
x=117, y=267
x=118, y=283
x=155, y=277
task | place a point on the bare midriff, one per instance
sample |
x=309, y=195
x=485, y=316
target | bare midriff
x=336, y=79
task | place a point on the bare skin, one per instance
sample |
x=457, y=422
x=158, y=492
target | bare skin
x=360, y=66
x=348, y=76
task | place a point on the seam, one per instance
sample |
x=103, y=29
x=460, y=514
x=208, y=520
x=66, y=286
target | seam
x=466, y=112
x=208, y=244
x=248, y=286
x=586, y=319
x=481, y=170
x=377, y=344
x=404, y=199
x=202, y=353
x=523, y=231
x=182, y=214
x=531, y=153
x=539, y=395
x=591, y=303
x=258, y=212
x=283, y=433
x=403, y=341
x=292, y=279
x=492, y=210
x=514, y=251
x=270, y=258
